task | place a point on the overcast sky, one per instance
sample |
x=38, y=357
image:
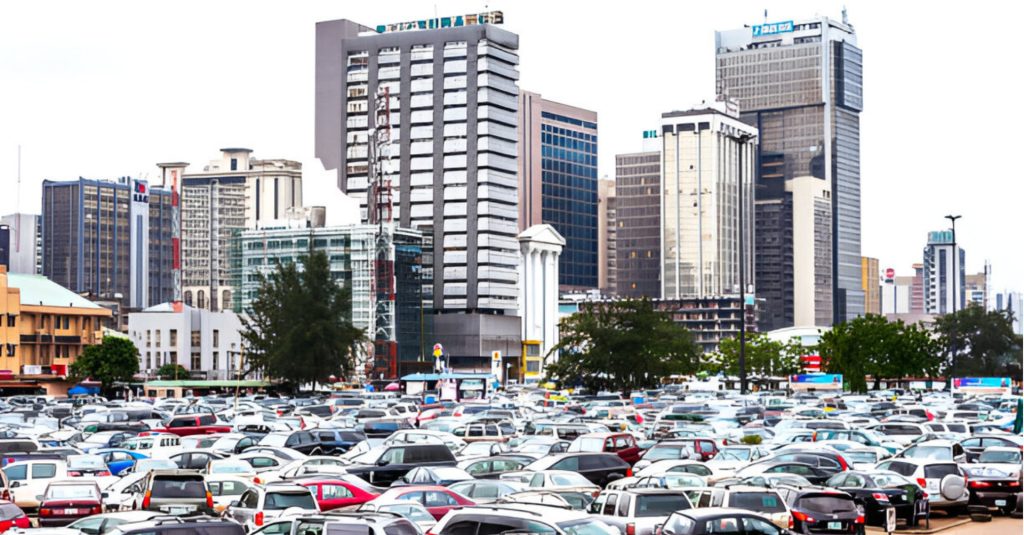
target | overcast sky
x=106, y=89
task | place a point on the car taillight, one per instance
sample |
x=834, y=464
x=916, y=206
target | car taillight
x=6, y=525
x=790, y=521
x=814, y=436
x=209, y=499
x=96, y=510
x=74, y=473
x=22, y=522
x=629, y=472
x=631, y=529
x=803, y=517
x=146, y=499
x=860, y=519
x=924, y=495
x=879, y=496
x=596, y=493
x=257, y=480
x=45, y=511
x=1013, y=484
x=99, y=474
x=921, y=481
x=979, y=484
x=259, y=519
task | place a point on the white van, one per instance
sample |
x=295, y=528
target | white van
x=157, y=446
x=28, y=479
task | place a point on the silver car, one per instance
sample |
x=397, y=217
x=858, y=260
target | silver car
x=638, y=511
x=257, y=506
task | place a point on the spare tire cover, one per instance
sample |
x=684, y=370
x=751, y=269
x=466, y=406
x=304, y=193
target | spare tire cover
x=952, y=487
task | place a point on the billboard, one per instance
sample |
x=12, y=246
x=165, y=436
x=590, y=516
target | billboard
x=138, y=225
x=772, y=28
x=982, y=384
x=817, y=380
x=471, y=19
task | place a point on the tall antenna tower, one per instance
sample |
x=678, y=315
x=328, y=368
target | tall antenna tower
x=380, y=207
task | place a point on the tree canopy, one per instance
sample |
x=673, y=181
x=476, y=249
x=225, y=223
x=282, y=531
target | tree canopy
x=114, y=360
x=299, y=326
x=172, y=371
x=621, y=346
x=872, y=346
x=764, y=357
x=985, y=343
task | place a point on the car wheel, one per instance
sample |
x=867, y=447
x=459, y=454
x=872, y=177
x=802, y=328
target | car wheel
x=316, y=451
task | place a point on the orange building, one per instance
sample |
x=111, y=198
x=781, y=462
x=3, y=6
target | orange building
x=43, y=328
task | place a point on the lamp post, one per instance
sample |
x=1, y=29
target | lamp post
x=956, y=286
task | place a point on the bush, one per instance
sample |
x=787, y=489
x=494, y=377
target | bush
x=751, y=440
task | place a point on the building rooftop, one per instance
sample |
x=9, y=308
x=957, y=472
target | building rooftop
x=40, y=291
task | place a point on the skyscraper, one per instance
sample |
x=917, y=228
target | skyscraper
x=638, y=217
x=452, y=96
x=943, y=285
x=607, y=236
x=558, y=182
x=800, y=84
x=111, y=239
x=707, y=187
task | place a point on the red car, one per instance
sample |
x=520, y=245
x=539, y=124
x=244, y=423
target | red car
x=11, y=516
x=67, y=501
x=437, y=500
x=185, y=425
x=621, y=444
x=334, y=493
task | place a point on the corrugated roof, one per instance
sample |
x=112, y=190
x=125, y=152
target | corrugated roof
x=39, y=290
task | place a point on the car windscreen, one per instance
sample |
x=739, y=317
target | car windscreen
x=660, y=504
x=733, y=454
x=939, y=471
x=585, y=527
x=276, y=501
x=762, y=502
x=658, y=453
x=938, y=453
x=860, y=457
x=86, y=462
x=178, y=488
x=72, y=492
x=1012, y=457
x=588, y=444
x=821, y=503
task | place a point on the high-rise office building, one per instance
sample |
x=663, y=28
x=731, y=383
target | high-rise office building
x=111, y=239
x=230, y=194
x=976, y=288
x=917, y=290
x=811, y=208
x=944, y=275
x=638, y=223
x=558, y=182
x=452, y=95
x=607, y=237
x=800, y=84
x=870, y=281
x=707, y=205
x=25, y=247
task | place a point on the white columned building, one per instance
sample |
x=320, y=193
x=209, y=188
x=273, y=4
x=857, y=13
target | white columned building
x=540, y=246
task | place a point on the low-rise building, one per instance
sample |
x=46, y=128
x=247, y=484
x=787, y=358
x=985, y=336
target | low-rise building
x=45, y=327
x=207, y=344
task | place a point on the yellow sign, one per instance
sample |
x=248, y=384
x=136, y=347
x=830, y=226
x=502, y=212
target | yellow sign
x=496, y=355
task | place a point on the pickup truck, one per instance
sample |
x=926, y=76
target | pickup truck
x=185, y=425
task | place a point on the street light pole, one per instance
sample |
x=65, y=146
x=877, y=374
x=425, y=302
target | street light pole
x=956, y=286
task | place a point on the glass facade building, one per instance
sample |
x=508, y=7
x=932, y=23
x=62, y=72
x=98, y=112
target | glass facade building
x=803, y=90
x=638, y=224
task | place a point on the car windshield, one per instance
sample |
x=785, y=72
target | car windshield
x=660, y=504
x=589, y=444
x=860, y=456
x=820, y=503
x=1012, y=457
x=587, y=527
x=570, y=479
x=412, y=512
x=277, y=501
x=890, y=480
x=658, y=453
x=674, y=481
x=225, y=443
x=231, y=468
x=762, y=502
x=733, y=454
x=72, y=492
x=86, y=462
x=535, y=447
x=178, y=488
x=938, y=453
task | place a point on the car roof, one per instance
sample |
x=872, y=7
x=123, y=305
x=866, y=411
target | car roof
x=547, y=512
x=702, y=513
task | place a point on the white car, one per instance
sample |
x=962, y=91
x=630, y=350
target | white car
x=901, y=432
x=121, y=493
x=226, y=489
x=232, y=467
x=669, y=467
x=28, y=479
x=424, y=436
x=1002, y=458
x=731, y=458
x=158, y=446
x=944, y=481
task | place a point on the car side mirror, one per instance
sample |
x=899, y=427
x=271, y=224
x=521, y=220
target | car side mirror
x=974, y=460
x=39, y=497
x=15, y=484
x=104, y=495
x=382, y=462
x=235, y=503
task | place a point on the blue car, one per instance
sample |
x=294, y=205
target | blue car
x=119, y=460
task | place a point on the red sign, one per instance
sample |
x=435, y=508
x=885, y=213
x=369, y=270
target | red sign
x=890, y=273
x=811, y=363
x=59, y=369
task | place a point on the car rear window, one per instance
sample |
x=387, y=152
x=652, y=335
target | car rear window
x=276, y=501
x=762, y=502
x=826, y=504
x=9, y=511
x=178, y=488
x=939, y=471
x=660, y=504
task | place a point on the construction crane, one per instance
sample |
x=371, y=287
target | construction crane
x=380, y=208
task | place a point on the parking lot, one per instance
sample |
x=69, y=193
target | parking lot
x=679, y=460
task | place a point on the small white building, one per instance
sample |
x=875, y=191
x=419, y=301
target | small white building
x=206, y=343
x=540, y=246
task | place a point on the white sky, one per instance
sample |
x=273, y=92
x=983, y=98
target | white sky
x=106, y=89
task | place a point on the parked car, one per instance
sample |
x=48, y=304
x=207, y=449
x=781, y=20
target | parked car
x=942, y=480
x=637, y=511
x=193, y=424
x=765, y=501
x=28, y=479
x=492, y=467
x=119, y=460
x=717, y=520
x=333, y=493
x=822, y=511
x=519, y=518
x=621, y=444
x=65, y=501
x=876, y=490
x=438, y=500
x=259, y=505
x=11, y=517
x=175, y=492
x=976, y=444
x=993, y=488
x=599, y=468
x=485, y=490
x=383, y=465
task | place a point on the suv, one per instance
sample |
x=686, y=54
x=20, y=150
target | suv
x=303, y=442
x=599, y=468
x=621, y=444
x=259, y=504
x=479, y=432
x=637, y=511
x=944, y=481
x=764, y=501
x=176, y=492
x=517, y=518
x=821, y=510
x=193, y=424
x=383, y=465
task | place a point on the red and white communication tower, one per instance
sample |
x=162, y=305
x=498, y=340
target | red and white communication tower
x=380, y=207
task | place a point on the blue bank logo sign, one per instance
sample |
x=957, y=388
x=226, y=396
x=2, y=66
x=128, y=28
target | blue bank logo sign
x=772, y=28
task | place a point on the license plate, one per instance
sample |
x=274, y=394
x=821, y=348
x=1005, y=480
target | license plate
x=835, y=525
x=1000, y=503
x=179, y=510
x=69, y=512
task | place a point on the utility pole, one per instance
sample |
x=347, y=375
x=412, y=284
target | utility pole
x=956, y=286
x=742, y=140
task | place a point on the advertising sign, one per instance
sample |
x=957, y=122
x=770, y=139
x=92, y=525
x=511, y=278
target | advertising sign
x=139, y=246
x=489, y=17
x=772, y=28
x=982, y=384
x=817, y=380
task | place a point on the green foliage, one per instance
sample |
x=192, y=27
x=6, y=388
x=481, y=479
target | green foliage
x=621, y=346
x=985, y=343
x=752, y=440
x=764, y=357
x=299, y=327
x=871, y=346
x=116, y=359
x=171, y=371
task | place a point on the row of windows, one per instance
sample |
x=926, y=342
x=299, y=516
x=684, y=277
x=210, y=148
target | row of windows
x=568, y=132
x=568, y=120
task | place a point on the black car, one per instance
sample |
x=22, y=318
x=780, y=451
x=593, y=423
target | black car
x=829, y=462
x=878, y=490
x=383, y=465
x=174, y=525
x=301, y=441
x=975, y=445
x=707, y=520
x=821, y=510
x=335, y=441
x=383, y=428
x=992, y=487
x=814, y=474
x=599, y=468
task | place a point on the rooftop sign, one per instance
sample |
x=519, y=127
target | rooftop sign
x=772, y=28
x=489, y=17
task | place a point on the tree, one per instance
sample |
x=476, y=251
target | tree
x=172, y=371
x=985, y=343
x=621, y=346
x=114, y=360
x=764, y=357
x=299, y=326
x=872, y=346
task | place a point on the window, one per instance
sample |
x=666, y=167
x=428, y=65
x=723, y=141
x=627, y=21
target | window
x=609, y=505
x=44, y=471
x=173, y=335
x=216, y=338
x=722, y=525
x=571, y=464
x=756, y=526
x=439, y=499
x=16, y=473
x=10, y=320
x=335, y=492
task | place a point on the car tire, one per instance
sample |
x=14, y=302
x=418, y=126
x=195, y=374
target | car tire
x=316, y=451
x=981, y=517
